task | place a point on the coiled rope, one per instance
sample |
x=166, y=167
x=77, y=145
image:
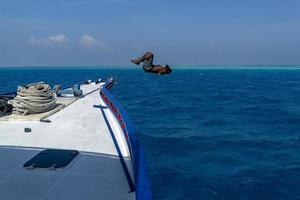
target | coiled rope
x=33, y=98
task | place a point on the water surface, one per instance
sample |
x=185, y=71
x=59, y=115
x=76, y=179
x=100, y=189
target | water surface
x=208, y=133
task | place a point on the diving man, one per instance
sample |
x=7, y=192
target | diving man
x=148, y=66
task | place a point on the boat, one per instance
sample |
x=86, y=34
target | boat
x=86, y=148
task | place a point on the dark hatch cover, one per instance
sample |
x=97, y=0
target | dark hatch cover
x=51, y=159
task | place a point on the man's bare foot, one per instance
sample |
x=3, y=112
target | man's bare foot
x=135, y=61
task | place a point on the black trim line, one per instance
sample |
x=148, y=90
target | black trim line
x=124, y=166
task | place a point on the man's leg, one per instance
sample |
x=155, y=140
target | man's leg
x=144, y=57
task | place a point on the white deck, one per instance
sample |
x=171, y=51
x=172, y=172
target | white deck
x=95, y=174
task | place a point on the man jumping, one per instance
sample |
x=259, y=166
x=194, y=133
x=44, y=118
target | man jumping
x=148, y=66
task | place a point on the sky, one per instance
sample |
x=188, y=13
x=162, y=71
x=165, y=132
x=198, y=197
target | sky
x=179, y=32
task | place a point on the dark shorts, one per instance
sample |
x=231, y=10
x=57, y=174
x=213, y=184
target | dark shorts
x=148, y=64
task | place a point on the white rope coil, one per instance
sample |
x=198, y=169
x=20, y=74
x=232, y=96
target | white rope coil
x=33, y=98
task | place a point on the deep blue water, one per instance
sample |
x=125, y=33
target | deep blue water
x=207, y=134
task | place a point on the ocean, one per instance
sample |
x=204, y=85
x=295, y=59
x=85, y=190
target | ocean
x=209, y=133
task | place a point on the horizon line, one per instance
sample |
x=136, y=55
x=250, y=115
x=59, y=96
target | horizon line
x=180, y=65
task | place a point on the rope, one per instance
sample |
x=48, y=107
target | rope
x=33, y=98
x=3, y=107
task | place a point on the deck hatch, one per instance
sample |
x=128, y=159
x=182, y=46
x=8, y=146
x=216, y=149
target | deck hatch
x=51, y=159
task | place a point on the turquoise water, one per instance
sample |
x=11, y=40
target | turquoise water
x=225, y=132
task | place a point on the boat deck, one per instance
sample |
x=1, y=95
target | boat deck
x=95, y=174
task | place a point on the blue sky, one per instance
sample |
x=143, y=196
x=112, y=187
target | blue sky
x=110, y=32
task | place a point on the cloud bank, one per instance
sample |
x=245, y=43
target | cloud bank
x=60, y=40
x=55, y=40
x=88, y=41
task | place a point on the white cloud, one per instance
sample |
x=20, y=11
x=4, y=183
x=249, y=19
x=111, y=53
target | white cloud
x=90, y=41
x=55, y=40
